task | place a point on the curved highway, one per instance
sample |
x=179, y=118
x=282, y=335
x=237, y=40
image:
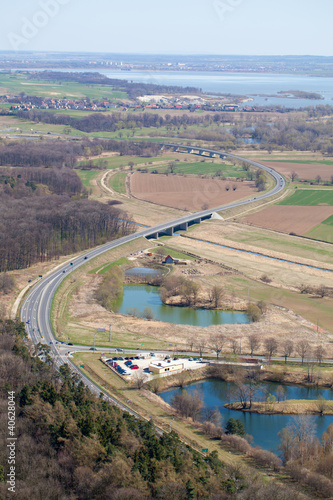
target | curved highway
x=36, y=307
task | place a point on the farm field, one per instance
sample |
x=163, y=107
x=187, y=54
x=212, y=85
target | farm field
x=207, y=167
x=323, y=231
x=289, y=219
x=306, y=169
x=310, y=197
x=187, y=193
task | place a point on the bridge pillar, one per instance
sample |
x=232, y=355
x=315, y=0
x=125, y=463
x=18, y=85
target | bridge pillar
x=222, y=157
x=169, y=231
x=184, y=226
x=176, y=149
x=212, y=155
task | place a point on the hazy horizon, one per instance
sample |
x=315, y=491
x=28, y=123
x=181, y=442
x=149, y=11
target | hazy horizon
x=186, y=27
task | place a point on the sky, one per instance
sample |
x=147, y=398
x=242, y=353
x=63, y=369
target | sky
x=244, y=27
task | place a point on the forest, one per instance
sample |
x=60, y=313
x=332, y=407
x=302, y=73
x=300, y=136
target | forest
x=74, y=445
x=45, y=212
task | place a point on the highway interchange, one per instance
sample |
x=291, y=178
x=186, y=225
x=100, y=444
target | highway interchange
x=35, y=309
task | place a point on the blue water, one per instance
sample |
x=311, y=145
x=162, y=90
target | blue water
x=239, y=84
x=142, y=271
x=141, y=296
x=263, y=428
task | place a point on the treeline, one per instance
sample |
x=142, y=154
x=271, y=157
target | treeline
x=132, y=89
x=117, y=121
x=41, y=228
x=65, y=153
x=21, y=182
x=71, y=444
x=296, y=134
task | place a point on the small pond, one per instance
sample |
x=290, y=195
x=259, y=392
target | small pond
x=143, y=272
x=141, y=296
x=263, y=428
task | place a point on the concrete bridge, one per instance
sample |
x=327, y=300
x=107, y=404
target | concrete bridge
x=195, y=151
x=184, y=222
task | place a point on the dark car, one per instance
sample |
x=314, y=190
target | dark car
x=69, y=343
x=128, y=363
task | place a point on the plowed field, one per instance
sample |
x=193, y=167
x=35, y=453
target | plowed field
x=304, y=170
x=188, y=193
x=290, y=219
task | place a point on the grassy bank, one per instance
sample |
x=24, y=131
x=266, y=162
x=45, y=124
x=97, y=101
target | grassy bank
x=288, y=407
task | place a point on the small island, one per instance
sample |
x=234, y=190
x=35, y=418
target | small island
x=287, y=407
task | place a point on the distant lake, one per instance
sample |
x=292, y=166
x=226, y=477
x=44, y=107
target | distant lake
x=247, y=84
x=238, y=84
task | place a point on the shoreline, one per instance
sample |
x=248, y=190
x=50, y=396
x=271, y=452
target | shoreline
x=287, y=407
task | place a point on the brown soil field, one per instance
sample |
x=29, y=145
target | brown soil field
x=289, y=219
x=304, y=170
x=187, y=193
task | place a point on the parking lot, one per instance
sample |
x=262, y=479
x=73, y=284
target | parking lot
x=130, y=367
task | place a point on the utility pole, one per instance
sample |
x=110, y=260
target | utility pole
x=109, y=333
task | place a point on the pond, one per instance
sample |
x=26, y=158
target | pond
x=141, y=296
x=143, y=272
x=263, y=428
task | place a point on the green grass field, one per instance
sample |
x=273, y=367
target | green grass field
x=206, y=167
x=323, y=231
x=117, y=182
x=105, y=267
x=313, y=198
x=16, y=83
x=86, y=176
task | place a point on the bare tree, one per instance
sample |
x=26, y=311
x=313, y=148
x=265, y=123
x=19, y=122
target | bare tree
x=254, y=343
x=271, y=346
x=287, y=349
x=217, y=342
x=235, y=346
x=201, y=345
x=319, y=353
x=139, y=380
x=215, y=295
x=303, y=348
x=294, y=175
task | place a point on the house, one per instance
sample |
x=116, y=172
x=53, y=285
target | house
x=165, y=366
x=170, y=260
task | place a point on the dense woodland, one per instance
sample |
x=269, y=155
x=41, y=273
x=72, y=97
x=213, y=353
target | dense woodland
x=73, y=445
x=65, y=153
x=45, y=212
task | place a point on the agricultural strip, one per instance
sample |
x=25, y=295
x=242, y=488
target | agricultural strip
x=313, y=198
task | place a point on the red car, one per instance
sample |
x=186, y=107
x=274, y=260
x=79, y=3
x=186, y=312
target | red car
x=134, y=367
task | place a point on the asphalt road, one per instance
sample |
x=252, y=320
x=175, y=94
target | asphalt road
x=36, y=307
